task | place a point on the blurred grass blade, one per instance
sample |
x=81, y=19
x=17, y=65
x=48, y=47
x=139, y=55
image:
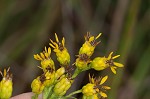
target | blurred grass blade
x=125, y=44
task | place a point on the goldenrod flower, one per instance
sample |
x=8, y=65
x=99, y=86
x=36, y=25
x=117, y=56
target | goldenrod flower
x=44, y=57
x=89, y=45
x=49, y=78
x=61, y=52
x=100, y=63
x=37, y=84
x=62, y=86
x=82, y=61
x=95, y=87
x=95, y=96
x=6, y=85
x=59, y=72
x=88, y=89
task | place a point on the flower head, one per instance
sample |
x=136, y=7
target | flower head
x=44, y=57
x=94, y=96
x=89, y=45
x=37, y=84
x=113, y=65
x=100, y=63
x=49, y=78
x=59, y=72
x=6, y=85
x=82, y=61
x=62, y=86
x=61, y=52
x=95, y=87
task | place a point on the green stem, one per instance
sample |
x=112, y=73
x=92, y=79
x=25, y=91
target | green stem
x=73, y=93
x=35, y=96
x=53, y=96
x=76, y=73
x=47, y=92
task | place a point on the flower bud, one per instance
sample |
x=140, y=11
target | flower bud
x=88, y=89
x=6, y=85
x=46, y=61
x=62, y=54
x=90, y=97
x=89, y=45
x=62, y=86
x=99, y=63
x=37, y=84
x=59, y=72
x=50, y=78
x=80, y=64
x=63, y=57
x=95, y=87
x=82, y=61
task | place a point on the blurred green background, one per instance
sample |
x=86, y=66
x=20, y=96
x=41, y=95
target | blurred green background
x=27, y=25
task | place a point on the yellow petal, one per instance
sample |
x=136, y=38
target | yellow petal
x=52, y=41
x=103, y=80
x=113, y=69
x=49, y=50
x=116, y=56
x=52, y=45
x=98, y=35
x=103, y=94
x=110, y=55
x=37, y=57
x=91, y=79
x=91, y=38
x=46, y=55
x=118, y=64
x=56, y=50
x=56, y=37
x=5, y=72
x=45, y=49
x=42, y=55
x=63, y=41
x=106, y=87
x=56, y=45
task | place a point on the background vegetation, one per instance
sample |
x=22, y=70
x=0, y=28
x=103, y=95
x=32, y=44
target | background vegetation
x=27, y=25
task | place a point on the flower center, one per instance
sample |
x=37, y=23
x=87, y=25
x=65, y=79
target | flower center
x=60, y=46
x=84, y=57
x=110, y=62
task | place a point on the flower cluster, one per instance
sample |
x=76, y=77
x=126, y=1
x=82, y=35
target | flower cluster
x=94, y=89
x=57, y=82
x=6, y=85
x=86, y=51
x=53, y=84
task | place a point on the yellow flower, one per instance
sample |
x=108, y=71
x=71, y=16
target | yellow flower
x=6, y=85
x=82, y=61
x=62, y=86
x=95, y=96
x=59, y=72
x=100, y=63
x=44, y=57
x=37, y=84
x=61, y=52
x=88, y=89
x=95, y=87
x=89, y=45
x=49, y=78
